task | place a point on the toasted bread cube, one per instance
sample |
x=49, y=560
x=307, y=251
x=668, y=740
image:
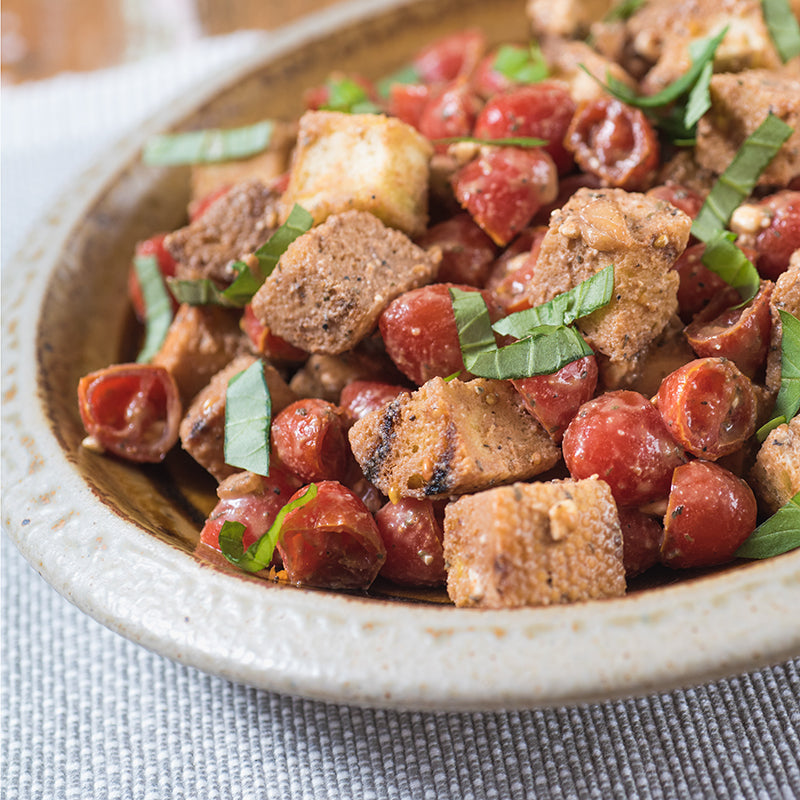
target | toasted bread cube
x=534, y=544
x=366, y=162
x=775, y=477
x=450, y=437
x=567, y=18
x=642, y=237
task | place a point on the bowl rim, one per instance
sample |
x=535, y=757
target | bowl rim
x=336, y=647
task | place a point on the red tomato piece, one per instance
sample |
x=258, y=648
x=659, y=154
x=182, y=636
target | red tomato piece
x=687, y=200
x=154, y=246
x=332, y=542
x=621, y=437
x=253, y=500
x=555, y=399
x=420, y=334
x=775, y=244
x=709, y=407
x=504, y=187
x=540, y=110
x=274, y=347
x=487, y=81
x=359, y=398
x=449, y=113
x=741, y=334
x=614, y=141
x=642, y=536
x=709, y=514
x=451, y=56
x=407, y=101
x=412, y=537
x=467, y=252
x=311, y=440
x=698, y=284
x=131, y=410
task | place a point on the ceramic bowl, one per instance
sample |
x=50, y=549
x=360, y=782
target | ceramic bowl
x=118, y=540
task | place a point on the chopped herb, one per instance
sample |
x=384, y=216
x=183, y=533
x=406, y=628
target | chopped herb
x=521, y=65
x=513, y=141
x=348, y=96
x=248, y=416
x=783, y=27
x=207, y=146
x=259, y=555
x=407, y=74
x=787, y=404
x=203, y=292
x=724, y=258
x=157, y=305
x=623, y=10
x=778, y=534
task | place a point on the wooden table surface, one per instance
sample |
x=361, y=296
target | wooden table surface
x=43, y=37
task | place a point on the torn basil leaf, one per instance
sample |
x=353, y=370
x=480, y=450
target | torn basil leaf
x=407, y=74
x=777, y=535
x=473, y=323
x=297, y=223
x=588, y=296
x=724, y=258
x=157, y=306
x=787, y=404
x=248, y=416
x=783, y=28
x=520, y=64
x=259, y=555
x=349, y=97
x=511, y=141
x=208, y=146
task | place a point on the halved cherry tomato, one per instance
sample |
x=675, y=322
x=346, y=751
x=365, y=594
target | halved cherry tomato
x=775, y=244
x=709, y=514
x=413, y=539
x=682, y=197
x=641, y=540
x=449, y=113
x=407, y=101
x=265, y=342
x=154, y=246
x=621, y=438
x=555, y=399
x=540, y=110
x=359, y=398
x=709, y=407
x=614, y=141
x=332, y=542
x=513, y=272
x=504, y=187
x=310, y=438
x=131, y=410
x=741, y=334
x=451, y=56
x=467, y=252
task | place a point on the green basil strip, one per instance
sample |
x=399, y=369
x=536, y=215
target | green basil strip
x=546, y=350
x=259, y=555
x=624, y=10
x=737, y=182
x=297, y=223
x=248, y=416
x=588, y=296
x=473, y=324
x=513, y=141
x=724, y=258
x=520, y=64
x=345, y=95
x=783, y=27
x=407, y=74
x=778, y=534
x=787, y=404
x=157, y=306
x=208, y=146
x=699, y=100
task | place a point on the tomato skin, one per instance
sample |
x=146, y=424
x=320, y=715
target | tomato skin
x=709, y=407
x=132, y=410
x=615, y=141
x=255, y=506
x=467, y=252
x=510, y=285
x=682, y=197
x=709, y=514
x=739, y=334
x=332, y=542
x=413, y=539
x=487, y=81
x=407, y=101
x=154, y=246
x=698, y=284
x=359, y=398
x=420, y=334
x=449, y=113
x=555, y=399
x=540, y=110
x=621, y=437
x=504, y=187
x=265, y=342
x=776, y=243
x=450, y=56
x=310, y=438
x=642, y=536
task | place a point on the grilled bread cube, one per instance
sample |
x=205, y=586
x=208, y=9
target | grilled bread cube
x=330, y=286
x=775, y=477
x=534, y=544
x=366, y=162
x=450, y=437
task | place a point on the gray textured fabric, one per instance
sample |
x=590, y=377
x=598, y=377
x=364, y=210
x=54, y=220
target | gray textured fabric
x=87, y=714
